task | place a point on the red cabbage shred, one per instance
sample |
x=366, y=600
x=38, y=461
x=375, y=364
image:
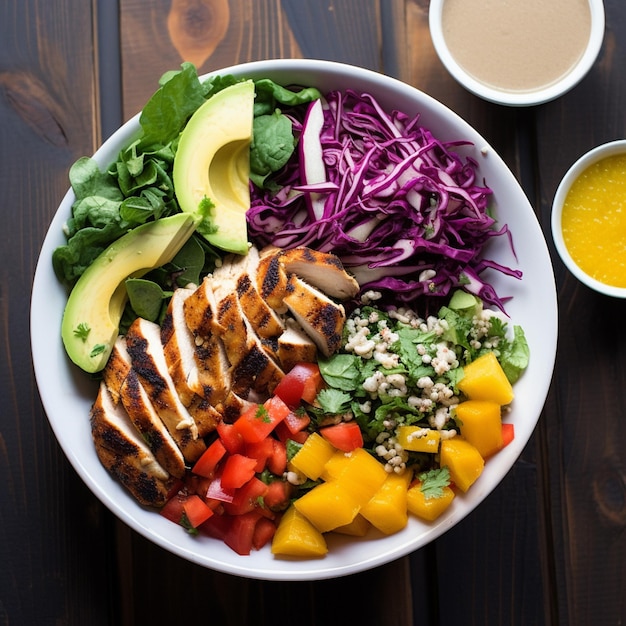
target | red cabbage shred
x=402, y=210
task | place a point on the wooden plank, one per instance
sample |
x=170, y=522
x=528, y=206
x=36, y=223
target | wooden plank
x=585, y=457
x=52, y=528
x=212, y=34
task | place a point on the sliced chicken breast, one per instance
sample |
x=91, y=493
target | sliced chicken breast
x=117, y=368
x=147, y=422
x=143, y=342
x=272, y=280
x=320, y=317
x=320, y=269
x=295, y=346
x=124, y=453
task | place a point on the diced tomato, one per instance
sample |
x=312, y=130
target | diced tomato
x=217, y=491
x=278, y=495
x=508, y=434
x=231, y=437
x=238, y=470
x=263, y=532
x=302, y=382
x=240, y=532
x=216, y=526
x=277, y=462
x=248, y=498
x=173, y=509
x=297, y=421
x=196, y=510
x=256, y=424
x=345, y=436
x=283, y=433
x=261, y=451
x=206, y=464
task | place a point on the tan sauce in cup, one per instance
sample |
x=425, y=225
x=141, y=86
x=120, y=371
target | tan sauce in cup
x=516, y=45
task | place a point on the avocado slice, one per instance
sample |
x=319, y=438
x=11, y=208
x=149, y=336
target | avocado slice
x=212, y=163
x=94, y=308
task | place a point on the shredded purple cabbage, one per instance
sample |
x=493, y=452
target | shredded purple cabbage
x=401, y=209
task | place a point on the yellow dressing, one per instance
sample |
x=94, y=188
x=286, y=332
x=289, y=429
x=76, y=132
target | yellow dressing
x=594, y=221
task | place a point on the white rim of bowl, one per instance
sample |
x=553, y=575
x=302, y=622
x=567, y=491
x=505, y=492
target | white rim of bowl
x=511, y=98
x=587, y=160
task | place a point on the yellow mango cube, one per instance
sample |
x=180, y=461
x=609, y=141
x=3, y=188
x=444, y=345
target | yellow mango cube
x=328, y=506
x=358, y=527
x=296, y=536
x=387, y=510
x=313, y=455
x=484, y=379
x=428, y=509
x=481, y=425
x=463, y=460
x=360, y=474
x=418, y=439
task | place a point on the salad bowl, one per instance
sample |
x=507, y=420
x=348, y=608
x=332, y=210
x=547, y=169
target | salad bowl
x=67, y=393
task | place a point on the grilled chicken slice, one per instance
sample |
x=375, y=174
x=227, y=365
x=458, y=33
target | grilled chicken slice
x=123, y=452
x=122, y=383
x=179, y=348
x=143, y=342
x=146, y=420
x=251, y=366
x=272, y=279
x=195, y=364
x=201, y=310
x=320, y=317
x=320, y=269
x=295, y=346
x=117, y=368
x=263, y=318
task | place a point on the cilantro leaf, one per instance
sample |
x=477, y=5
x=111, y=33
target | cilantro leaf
x=333, y=400
x=433, y=482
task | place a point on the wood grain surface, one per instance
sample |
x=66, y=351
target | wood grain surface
x=548, y=546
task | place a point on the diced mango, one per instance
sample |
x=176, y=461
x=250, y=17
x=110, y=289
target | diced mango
x=463, y=461
x=358, y=527
x=313, y=455
x=428, y=509
x=484, y=379
x=418, y=439
x=296, y=536
x=481, y=425
x=387, y=510
x=359, y=473
x=328, y=506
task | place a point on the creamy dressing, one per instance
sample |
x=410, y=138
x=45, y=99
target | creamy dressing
x=594, y=221
x=516, y=45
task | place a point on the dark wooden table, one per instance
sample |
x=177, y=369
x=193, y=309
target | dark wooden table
x=547, y=547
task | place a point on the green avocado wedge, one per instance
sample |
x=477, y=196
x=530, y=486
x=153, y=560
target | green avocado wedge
x=212, y=166
x=94, y=308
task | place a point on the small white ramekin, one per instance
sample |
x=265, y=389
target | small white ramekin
x=521, y=98
x=585, y=161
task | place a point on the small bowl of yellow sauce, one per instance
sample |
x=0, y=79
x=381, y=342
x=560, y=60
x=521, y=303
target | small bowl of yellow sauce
x=589, y=219
x=517, y=52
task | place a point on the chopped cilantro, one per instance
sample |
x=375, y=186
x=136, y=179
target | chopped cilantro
x=262, y=414
x=433, y=482
x=99, y=348
x=82, y=330
x=333, y=400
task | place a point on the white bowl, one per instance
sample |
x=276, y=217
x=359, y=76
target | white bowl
x=67, y=393
x=587, y=160
x=519, y=98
